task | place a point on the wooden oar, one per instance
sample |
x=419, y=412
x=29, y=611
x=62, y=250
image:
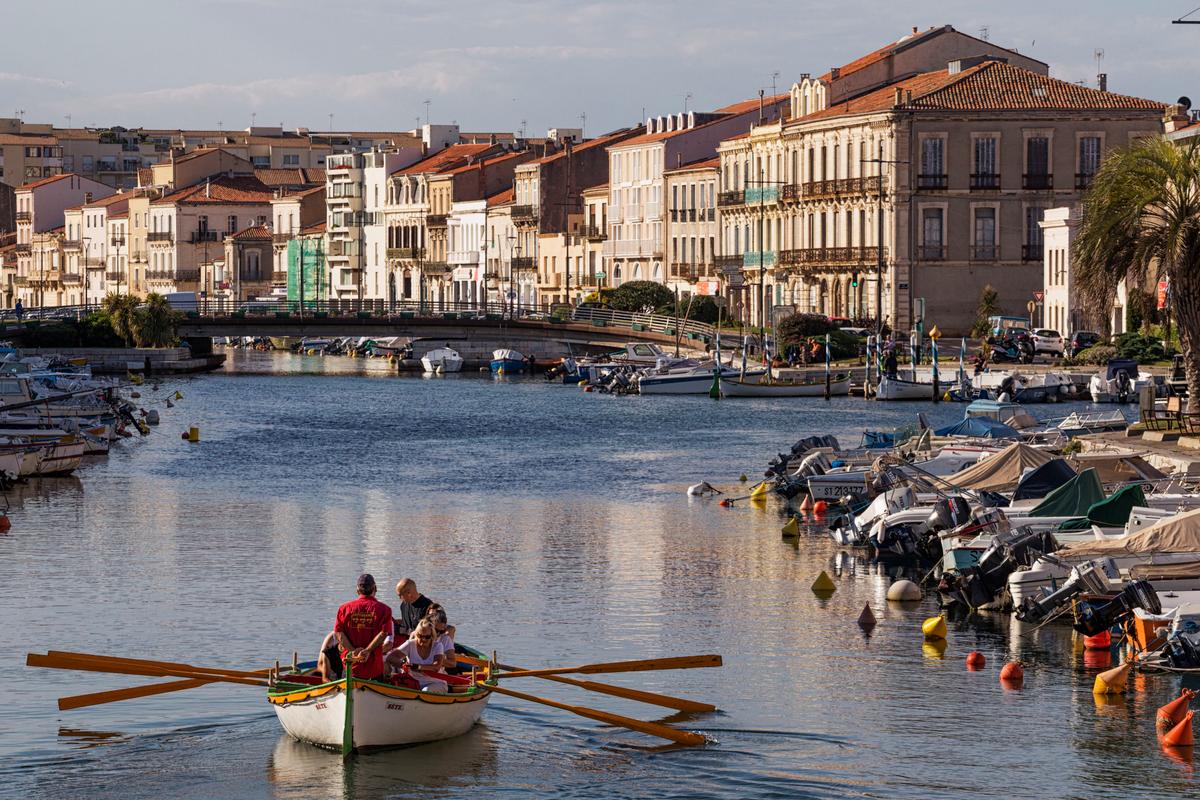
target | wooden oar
x=97, y=698
x=646, y=665
x=651, y=698
x=651, y=728
x=119, y=668
x=163, y=664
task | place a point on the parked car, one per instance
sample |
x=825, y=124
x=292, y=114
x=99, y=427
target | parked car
x=1048, y=340
x=1082, y=340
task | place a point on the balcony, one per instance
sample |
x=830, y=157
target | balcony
x=280, y=277
x=931, y=252
x=343, y=249
x=1031, y=252
x=281, y=238
x=72, y=279
x=933, y=182
x=593, y=233
x=138, y=256
x=833, y=189
x=825, y=257
x=734, y=198
x=984, y=252
x=759, y=259
x=160, y=275
x=525, y=215
x=762, y=195
x=984, y=181
x=792, y=192
x=1037, y=182
x=117, y=241
x=23, y=249
x=463, y=257
x=728, y=263
x=72, y=244
x=692, y=272
x=406, y=253
x=161, y=236
x=1083, y=181
x=20, y=280
x=633, y=248
x=652, y=211
x=435, y=267
x=93, y=262
x=435, y=220
x=524, y=262
x=115, y=276
x=24, y=216
x=204, y=237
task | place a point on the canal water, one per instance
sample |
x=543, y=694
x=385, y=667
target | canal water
x=553, y=524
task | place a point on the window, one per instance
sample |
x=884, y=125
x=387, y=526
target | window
x=985, y=175
x=985, y=234
x=933, y=164
x=232, y=224
x=1032, y=249
x=1089, y=160
x=291, y=160
x=932, y=230
x=1037, y=163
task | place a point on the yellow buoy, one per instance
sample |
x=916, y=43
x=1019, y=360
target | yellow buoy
x=743, y=478
x=178, y=395
x=934, y=627
x=1112, y=681
x=791, y=528
x=193, y=434
x=759, y=490
x=824, y=584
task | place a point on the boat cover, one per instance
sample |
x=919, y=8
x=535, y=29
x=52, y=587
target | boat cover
x=1117, y=467
x=1002, y=471
x=981, y=428
x=1073, y=498
x=1052, y=475
x=1110, y=513
x=1165, y=572
x=1177, y=534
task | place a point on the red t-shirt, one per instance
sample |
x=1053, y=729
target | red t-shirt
x=360, y=620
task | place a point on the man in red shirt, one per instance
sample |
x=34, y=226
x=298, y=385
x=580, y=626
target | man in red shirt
x=361, y=627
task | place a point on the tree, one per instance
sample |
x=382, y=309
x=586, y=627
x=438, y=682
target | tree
x=640, y=296
x=798, y=327
x=154, y=322
x=120, y=309
x=989, y=306
x=1141, y=224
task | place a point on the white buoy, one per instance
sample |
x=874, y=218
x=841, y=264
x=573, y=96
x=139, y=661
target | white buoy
x=904, y=591
x=701, y=489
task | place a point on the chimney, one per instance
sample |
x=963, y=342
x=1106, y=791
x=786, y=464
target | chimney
x=207, y=187
x=87, y=197
x=908, y=97
x=899, y=100
x=1102, y=81
x=835, y=73
x=760, y=106
x=914, y=33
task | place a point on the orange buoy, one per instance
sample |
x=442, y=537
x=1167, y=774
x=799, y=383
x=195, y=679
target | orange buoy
x=1172, y=713
x=1100, y=641
x=726, y=503
x=975, y=660
x=820, y=507
x=1097, y=659
x=807, y=503
x=1181, y=735
x=1012, y=672
x=5, y=523
x=1112, y=681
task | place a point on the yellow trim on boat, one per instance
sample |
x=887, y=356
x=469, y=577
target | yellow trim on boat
x=379, y=688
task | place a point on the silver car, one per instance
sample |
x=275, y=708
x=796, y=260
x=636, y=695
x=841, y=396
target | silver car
x=1047, y=340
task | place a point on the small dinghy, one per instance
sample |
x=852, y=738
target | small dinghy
x=506, y=360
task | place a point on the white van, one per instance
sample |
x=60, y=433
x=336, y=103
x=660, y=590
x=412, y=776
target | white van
x=182, y=301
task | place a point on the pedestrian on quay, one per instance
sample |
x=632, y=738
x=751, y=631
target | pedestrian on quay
x=20, y=309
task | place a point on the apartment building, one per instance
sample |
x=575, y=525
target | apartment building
x=379, y=283
x=636, y=243
x=90, y=248
x=595, y=234
x=691, y=193
x=290, y=214
x=188, y=226
x=936, y=180
x=307, y=267
x=514, y=287
x=41, y=208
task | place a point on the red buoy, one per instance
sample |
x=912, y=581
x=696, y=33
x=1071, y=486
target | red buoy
x=820, y=507
x=1172, y=713
x=726, y=503
x=5, y=523
x=975, y=660
x=1181, y=735
x=1012, y=676
x=1101, y=641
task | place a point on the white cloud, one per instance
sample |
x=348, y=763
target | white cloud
x=33, y=80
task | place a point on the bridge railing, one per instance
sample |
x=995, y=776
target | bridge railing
x=656, y=323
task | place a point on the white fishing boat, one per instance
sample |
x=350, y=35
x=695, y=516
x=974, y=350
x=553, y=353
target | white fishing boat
x=1078, y=423
x=442, y=359
x=696, y=378
x=507, y=360
x=839, y=386
x=1119, y=382
x=1040, y=387
x=897, y=388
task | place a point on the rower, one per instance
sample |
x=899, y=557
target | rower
x=413, y=608
x=362, y=626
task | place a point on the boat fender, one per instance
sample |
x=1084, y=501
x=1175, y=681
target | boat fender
x=820, y=507
x=904, y=590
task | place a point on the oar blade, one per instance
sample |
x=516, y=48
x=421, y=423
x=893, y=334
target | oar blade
x=116, y=695
x=641, y=665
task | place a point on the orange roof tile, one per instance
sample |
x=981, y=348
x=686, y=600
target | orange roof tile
x=600, y=141
x=44, y=181
x=291, y=177
x=751, y=105
x=313, y=229
x=597, y=188
x=444, y=158
x=240, y=190
x=105, y=202
x=736, y=109
x=489, y=160
x=253, y=233
x=28, y=138
x=502, y=198
x=694, y=166
x=876, y=56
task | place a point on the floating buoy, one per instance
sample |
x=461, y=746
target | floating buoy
x=1181, y=735
x=975, y=660
x=824, y=584
x=5, y=523
x=1101, y=641
x=791, y=527
x=934, y=627
x=169, y=403
x=152, y=416
x=759, y=490
x=178, y=395
x=135, y=395
x=587, y=388
x=820, y=507
x=184, y=436
x=193, y=434
x=1112, y=681
x=1012, y=672
x=700, y=489
x=867, y=618
x=806, y=504
x=904, y=590
x=726, y=503
x=1172, y=713
x=743, y=478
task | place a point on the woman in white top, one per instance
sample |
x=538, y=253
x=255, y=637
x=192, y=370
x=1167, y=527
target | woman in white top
x=423, y=652
x=444, y=632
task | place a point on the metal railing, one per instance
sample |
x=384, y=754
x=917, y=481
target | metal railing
x=72, y=244
x=933, y=181
x=200, y=237
x=830, y=256
x=524, y=214
x=1037, y=182
x=406, y=253
x=984, y=252
x=1083, y=180
x=435, y=220
x=524, y=262
x=931, y=252
x=984, y=180
x=1031, y=252
x=656, y=323
x=593, y=233
x=72, y=278
x=116, y=276
x=160, y=236
x=281, y=238
x=24, y=216
x=732, y=198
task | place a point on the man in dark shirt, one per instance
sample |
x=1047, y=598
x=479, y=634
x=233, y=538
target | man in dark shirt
x=413, y=608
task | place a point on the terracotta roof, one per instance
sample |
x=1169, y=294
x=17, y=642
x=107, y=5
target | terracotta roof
x=145, y=176
x=600, y=141
x=726, y=112
x=489, y=160
x=253, y=233
x=751, y=105
x=445, y=158
x=302, y=176
x=203, y=151
x=313, y=229
x=694, y=166
x=28, y=138
x=241, y=190
x=44, y=181
x=990, y=86
x=299, y=193
x=599, y=187
x=105, y=202
x=905, y=41
x=122, y=214
x=502, y=198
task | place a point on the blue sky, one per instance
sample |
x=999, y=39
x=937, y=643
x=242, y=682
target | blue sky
x=492, y=65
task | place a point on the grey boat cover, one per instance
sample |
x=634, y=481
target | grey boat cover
x=981, y=428
x=1177, y=534
x=1072, y=499
x=1003, y=471
x=1045, y=479
x=1117, y=467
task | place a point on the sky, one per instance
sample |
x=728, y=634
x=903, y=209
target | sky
x=508, y=65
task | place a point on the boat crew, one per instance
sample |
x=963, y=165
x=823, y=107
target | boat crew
x=423, y=651
x=413, y=608
x=362, y=626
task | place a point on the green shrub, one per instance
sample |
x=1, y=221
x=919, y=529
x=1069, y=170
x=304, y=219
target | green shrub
x=1142, y=349
x=641, y=297
x=700, y=308
x=797, y=327
x=1098, y=355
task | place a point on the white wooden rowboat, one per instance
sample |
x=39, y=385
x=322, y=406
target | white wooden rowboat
x=840, y=385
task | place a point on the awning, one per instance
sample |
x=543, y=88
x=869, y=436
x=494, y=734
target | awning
x=1177, y=534
x=981, y=428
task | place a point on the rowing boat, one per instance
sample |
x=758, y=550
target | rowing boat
x=840, y=385
x=352, y=714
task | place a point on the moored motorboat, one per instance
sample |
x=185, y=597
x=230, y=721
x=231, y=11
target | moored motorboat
x=507, y=360
x=442, y=359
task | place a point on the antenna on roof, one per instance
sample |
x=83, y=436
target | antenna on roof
x=984, y=33
x=687, y=97
x=1098, y=54
x=774, y=77
x=427, y=112
x=582, y=123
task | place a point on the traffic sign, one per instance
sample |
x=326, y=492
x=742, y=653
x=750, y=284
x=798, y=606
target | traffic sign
x=1039, y=296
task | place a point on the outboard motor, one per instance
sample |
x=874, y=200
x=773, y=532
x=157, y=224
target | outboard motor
x=1124, y=387
x=947, y=513
x=1092, y=617
x=1089, y=578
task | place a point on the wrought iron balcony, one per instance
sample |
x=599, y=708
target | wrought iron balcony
x=203, y=237
x=833, y=188
x=406, y=253
x=279, y=277
x=826, y=257
x=984, y=252
x=435, y=220
x=984, y=181
x=435, y=267
x=931, y=252
x=72, y=244
x=72, y=278
x=593, y=233
x=115, y=276
x=933, y=182
x=727, y=263
x=23, y=249
x=524, y=262
x=281, y=238
x=1037, y=182
x=734, y=198
x=24, y=216
x=1083, y=180
x=116, y=241
x=1031, y=252
x=160, y=236
x=525, y=215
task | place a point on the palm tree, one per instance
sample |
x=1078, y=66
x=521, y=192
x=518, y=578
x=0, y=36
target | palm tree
x=1141, y=223
x=154, y=322
x=120, y=309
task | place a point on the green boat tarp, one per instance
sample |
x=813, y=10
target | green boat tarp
x=1111, y=513
x=1073, y=498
